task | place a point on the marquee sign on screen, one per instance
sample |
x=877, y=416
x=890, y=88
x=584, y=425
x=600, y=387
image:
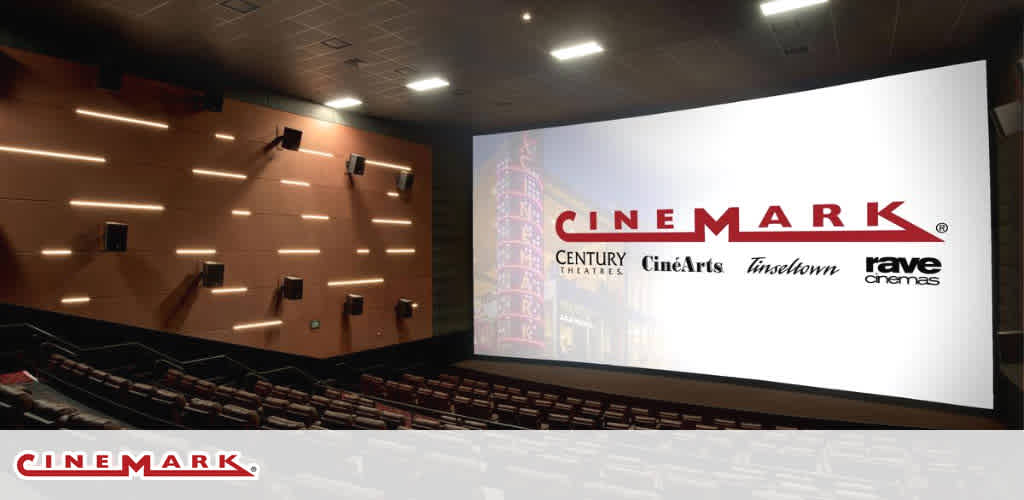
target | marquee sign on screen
x=837, y=238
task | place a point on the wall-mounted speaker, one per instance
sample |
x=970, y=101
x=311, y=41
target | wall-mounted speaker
x=404, y=181
x=403, y=308
x=291, y=288
x=212, y=274
x=1008, y=118
x=213, y=100
x=291, y=139
x=115, y=236
x=354, y=304
x=109, y=77
x=356, y=164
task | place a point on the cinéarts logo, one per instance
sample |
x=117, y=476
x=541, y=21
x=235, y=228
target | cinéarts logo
x=48, y=465
x=590, y=263
x=681, y=265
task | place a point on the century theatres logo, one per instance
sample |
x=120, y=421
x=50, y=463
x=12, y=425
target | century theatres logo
x=104, y=465
x=775, y=221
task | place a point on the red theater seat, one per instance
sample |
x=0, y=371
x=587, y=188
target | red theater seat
x=237, y=417
x=281, y=423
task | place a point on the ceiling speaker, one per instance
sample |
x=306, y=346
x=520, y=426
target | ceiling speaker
x=356, y=164
x=354, y=305
x=403, y=308
x=291, y=288
x=404, y=181
x=115, y=236
x=1007, y=118
x=291, y=139
x=212, y=274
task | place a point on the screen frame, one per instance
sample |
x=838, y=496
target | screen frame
x=894, y=70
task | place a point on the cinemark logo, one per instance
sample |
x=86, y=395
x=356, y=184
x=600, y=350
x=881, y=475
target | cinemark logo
x=774, y=219
x=144, y=465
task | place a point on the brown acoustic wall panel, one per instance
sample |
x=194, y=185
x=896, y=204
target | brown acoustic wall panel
x=152, y=286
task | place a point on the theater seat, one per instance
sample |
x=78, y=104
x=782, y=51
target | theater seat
x=393, y=419
x=273, y=406
x=583, y=423
x=750, y=426
x=643, y=422
x=367, y=423
x=247, y=399
x=473, y=425
x=702, y=427
x=565, y=408
x=573, y=401
x=84, y=421
x=224, y=394
x=414, y=380
x=670, y=424
x=281, y=423
x=237, y=417
x=262, y=388
x=614, y=416
x=590, y=403
x=201, y=414
x=529, y=418
x=425, y=423
x=319, y=402
x=616, y=426
x=116, y=387
x=204, y=389
x=301, y=413
x=727, y=423
x=336, y=420
x=558, y=421
x=168, y=405
x=480, y=408
x=297, y=396
x=589, y=412
x=693, y=419
x=617, y=407
x=43, y=414
x=461, y=404
x=671, y=415
x=338, y=405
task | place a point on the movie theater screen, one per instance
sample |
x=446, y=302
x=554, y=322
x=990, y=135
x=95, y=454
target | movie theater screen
x=837, y=238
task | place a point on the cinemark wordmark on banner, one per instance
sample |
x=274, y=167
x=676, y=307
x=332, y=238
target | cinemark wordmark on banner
x=105, y=465
x=774, y=217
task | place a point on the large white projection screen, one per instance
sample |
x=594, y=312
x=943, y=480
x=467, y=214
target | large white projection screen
x=838, y=238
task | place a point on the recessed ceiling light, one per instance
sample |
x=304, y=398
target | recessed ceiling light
x=224, y=137
x=299, y=251
x=368, y=281
x=400, y=222
x=363, y=251
x=75, y=300
x=400, y=250
x=344, y=102
x=195, y=251
x=315, y=217
x=393, y=194
x=780, y=6
x=388, y=165
x=577, y=51
x=315, y=152
x=218, y=173
x=241, y=212
x=119, y=118
x=237, y=289
x=427, y=84
x=527, y=17
x=107, y=204
x=294, y=183
x=56, y=251
x=261, y=324
x=52, y=154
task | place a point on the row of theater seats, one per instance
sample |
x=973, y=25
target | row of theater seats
x=20, y=410
x=535, y=409
x=183, y=400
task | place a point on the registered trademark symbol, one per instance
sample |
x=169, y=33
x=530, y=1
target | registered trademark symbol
x=253, y=468
x=942, y=227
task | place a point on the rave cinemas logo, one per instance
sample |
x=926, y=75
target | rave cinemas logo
x=903, y=271
x=143, y=465
x=590, y=263
x=774, y=220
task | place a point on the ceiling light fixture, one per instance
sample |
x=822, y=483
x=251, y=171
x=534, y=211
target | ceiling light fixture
x=577, y=51
x=363, y=251
x=75, y=300
x=107, y=204
x=244, y=213
x=344, y=102
x=388, y=165
x=393, y=194
x=295, y=183
x=315, y=217
x=400, y=222
x=780, y=6
x=224, y=137
x=120, y=118
x=298, y=251
x=368, y=281
x=261, y=324
x=527, y=17
x=218, y=173
x=56, y=251
x=401, y=250
x=315, y=152
x=427, y=84
x=195, y=251
x=52, y=154
x=237, y=289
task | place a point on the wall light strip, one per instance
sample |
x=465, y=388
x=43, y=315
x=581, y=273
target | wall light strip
x=577, y=51
x=56, y=251
x=393, y=194
x=400, y=222
x=53, y=154
x=315, y=152
x=195, y=251
x=245, y=213
x=388, y=165
x=237, y=289
x=298, y=251
x=780, y=6
x=401, y=250
x=363, y=251
x=224, y=137
x=119, y=118
x=368, y=281
x=218, y=173
x=75, y=300
x=427, y=84
x=107, y=204
x=315, y=217
x=294, y=183
x=261, y=324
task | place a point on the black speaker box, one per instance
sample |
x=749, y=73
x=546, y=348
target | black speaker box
x=403, y=308
x=212, y=274
x=354, y=304
x=291, y=139
x=291, y=288
x=356, y=164
x=404, y=181
x=115, y=236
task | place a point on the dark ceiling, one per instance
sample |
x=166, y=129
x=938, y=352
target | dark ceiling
x=659, y=54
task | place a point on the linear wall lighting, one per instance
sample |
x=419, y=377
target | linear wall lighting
x=344, y=102
x=298, y=251
x=195, y=251
x=52, y=154
x=120, y=118
x=400, y=222
x=393, y=194
x=315, y=217
x=218, y=173
x=56, y=251
x=363, y=251
x=224, y=137
x=427, y=84
x=260, y=324
x=226, y=290
x=294, y=183
x=368, y=281
x=124, y=206
x=577, y=51
x=315, y=152
x=401, y=250
x=75, y=300
x=244, y=213
x=388, y=165
x=780, y=6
